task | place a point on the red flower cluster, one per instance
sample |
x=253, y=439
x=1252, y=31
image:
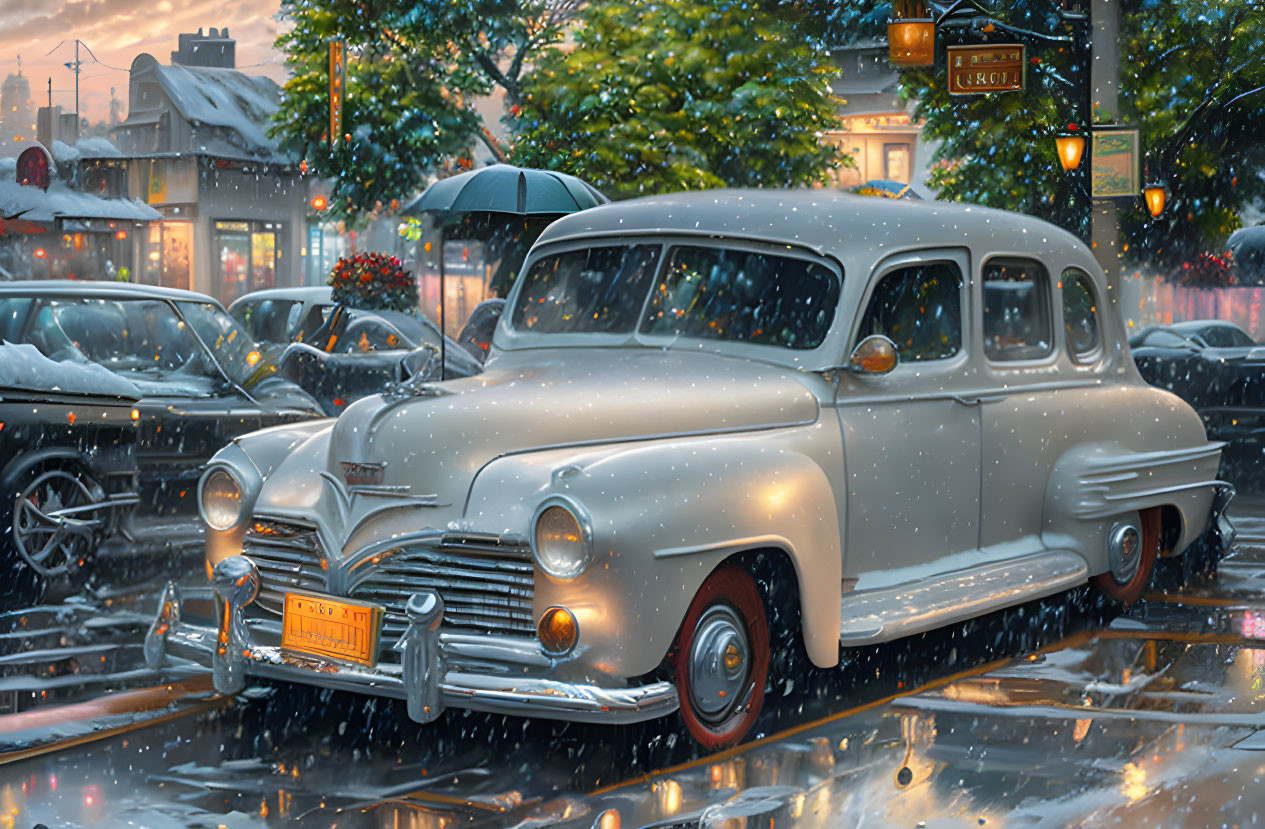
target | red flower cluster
x=1206, y=271
x=374, y=281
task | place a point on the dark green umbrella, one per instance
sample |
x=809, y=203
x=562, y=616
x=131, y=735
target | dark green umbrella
x=506, y=189
x=503, y=188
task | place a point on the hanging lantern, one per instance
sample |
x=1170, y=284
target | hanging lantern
x=1156, y=195
x=1071, y=146
x=319, y=203
x=911, y=35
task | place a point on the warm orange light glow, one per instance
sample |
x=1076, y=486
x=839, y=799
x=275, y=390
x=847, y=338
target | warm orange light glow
x=136, y=414
x=609, y=820
x=120, y=235
x=1071, y=148
x=319, y=203
x=70, y=418
x=1155, y=198
x=253, y=357
x=40, y=253
x=557, y=630
x=911, y=42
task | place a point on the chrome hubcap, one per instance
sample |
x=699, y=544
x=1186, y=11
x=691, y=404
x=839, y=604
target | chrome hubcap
x=719, y=663
x=1124, y=547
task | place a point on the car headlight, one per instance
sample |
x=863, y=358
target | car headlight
x=562, y=538
x=221, y=499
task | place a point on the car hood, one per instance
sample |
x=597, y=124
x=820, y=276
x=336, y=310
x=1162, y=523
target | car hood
x=430, y=447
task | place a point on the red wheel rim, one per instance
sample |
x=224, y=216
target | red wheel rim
x=1130, y=591
x=732, y=590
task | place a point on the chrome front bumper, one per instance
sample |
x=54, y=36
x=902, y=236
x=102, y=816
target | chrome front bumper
x=434, y=672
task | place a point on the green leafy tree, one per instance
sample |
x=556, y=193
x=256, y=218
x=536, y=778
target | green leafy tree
x=1194, y=83
x=678, y=95
x=1191, y=80
x=414, y=71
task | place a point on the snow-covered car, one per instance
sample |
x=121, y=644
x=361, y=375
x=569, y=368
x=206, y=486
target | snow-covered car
x=67, y=469
x=338, y=353
x=719, y=436
x=1218, y=369
x=201, y=379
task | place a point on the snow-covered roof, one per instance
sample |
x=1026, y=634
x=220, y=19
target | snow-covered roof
x=224, y=98
x=62, y=202
x=22, y=366
x=97, y=147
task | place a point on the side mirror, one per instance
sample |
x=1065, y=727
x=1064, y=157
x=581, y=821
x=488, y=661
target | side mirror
x=476, y=335
x=875, y=354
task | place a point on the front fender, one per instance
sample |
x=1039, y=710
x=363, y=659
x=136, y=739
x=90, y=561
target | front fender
x=664, y=515
x=251, y=458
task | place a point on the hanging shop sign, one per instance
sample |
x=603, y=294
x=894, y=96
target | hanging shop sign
x=997, y=67
x=1116, y=161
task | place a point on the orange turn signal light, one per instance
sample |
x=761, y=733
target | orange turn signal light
x=557, y=630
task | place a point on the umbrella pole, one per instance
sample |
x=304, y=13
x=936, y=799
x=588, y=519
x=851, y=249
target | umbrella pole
x=443, y=335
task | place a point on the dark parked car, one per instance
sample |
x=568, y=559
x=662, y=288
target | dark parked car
x=67, y=469
x=202, y=380
x=340, y=354
x=1217, y=368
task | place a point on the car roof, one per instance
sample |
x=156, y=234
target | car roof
x=310, y=293
x=1195, y=325
x=99, y=289
x=829, y=222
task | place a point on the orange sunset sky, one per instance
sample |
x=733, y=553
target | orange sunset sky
x=117, y=31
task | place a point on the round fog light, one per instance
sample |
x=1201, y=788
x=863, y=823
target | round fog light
x=558, y=631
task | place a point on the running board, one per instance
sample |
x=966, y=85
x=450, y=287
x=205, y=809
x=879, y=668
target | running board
x=880, y=615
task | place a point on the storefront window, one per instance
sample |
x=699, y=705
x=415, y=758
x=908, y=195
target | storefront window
x=246, y=256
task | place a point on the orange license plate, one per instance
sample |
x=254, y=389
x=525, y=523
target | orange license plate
x=342, y=629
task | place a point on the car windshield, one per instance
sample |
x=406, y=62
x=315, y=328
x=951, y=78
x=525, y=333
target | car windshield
x=233, y=348
x=701, y=292
x=141, y=339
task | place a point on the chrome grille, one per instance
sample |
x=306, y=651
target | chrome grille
x=288, y=557
x=487, y=586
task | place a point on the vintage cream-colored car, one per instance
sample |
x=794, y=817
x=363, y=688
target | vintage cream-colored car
x=713, y=427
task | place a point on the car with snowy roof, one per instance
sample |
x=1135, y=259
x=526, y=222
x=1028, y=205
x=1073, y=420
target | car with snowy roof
x=339, y=353
x=719, y=437
x=68, y=474
x=200, y=378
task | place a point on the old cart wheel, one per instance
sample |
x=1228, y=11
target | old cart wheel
x=1131, y=573
x=722, y=659
x=51, y=533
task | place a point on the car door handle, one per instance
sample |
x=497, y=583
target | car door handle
x=979, y=399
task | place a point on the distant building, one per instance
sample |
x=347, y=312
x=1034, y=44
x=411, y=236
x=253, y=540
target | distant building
x=17, y=118
x=196, y=147
x=876, y=128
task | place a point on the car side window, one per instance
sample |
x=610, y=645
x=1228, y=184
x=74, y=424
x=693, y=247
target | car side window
x=1017, y=322
x=1080, y=316
x=13, y=313
x=919, y=308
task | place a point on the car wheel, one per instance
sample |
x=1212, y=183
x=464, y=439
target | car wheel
x=1130, y=577
x=44, y=533
x=722, y=659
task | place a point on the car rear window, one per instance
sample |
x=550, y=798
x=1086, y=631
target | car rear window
x=740, y=295
x=1017, y=322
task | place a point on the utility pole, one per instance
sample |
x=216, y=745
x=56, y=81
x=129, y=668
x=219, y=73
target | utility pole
x=75, y=66
x=1105, y=81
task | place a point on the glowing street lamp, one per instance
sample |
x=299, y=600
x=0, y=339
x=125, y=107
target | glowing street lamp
x=911, y=34
x=1071, y=146
x=1156, y=195
x=319, y=203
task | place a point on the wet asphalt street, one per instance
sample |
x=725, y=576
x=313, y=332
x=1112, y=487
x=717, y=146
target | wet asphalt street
x=1055, y=713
